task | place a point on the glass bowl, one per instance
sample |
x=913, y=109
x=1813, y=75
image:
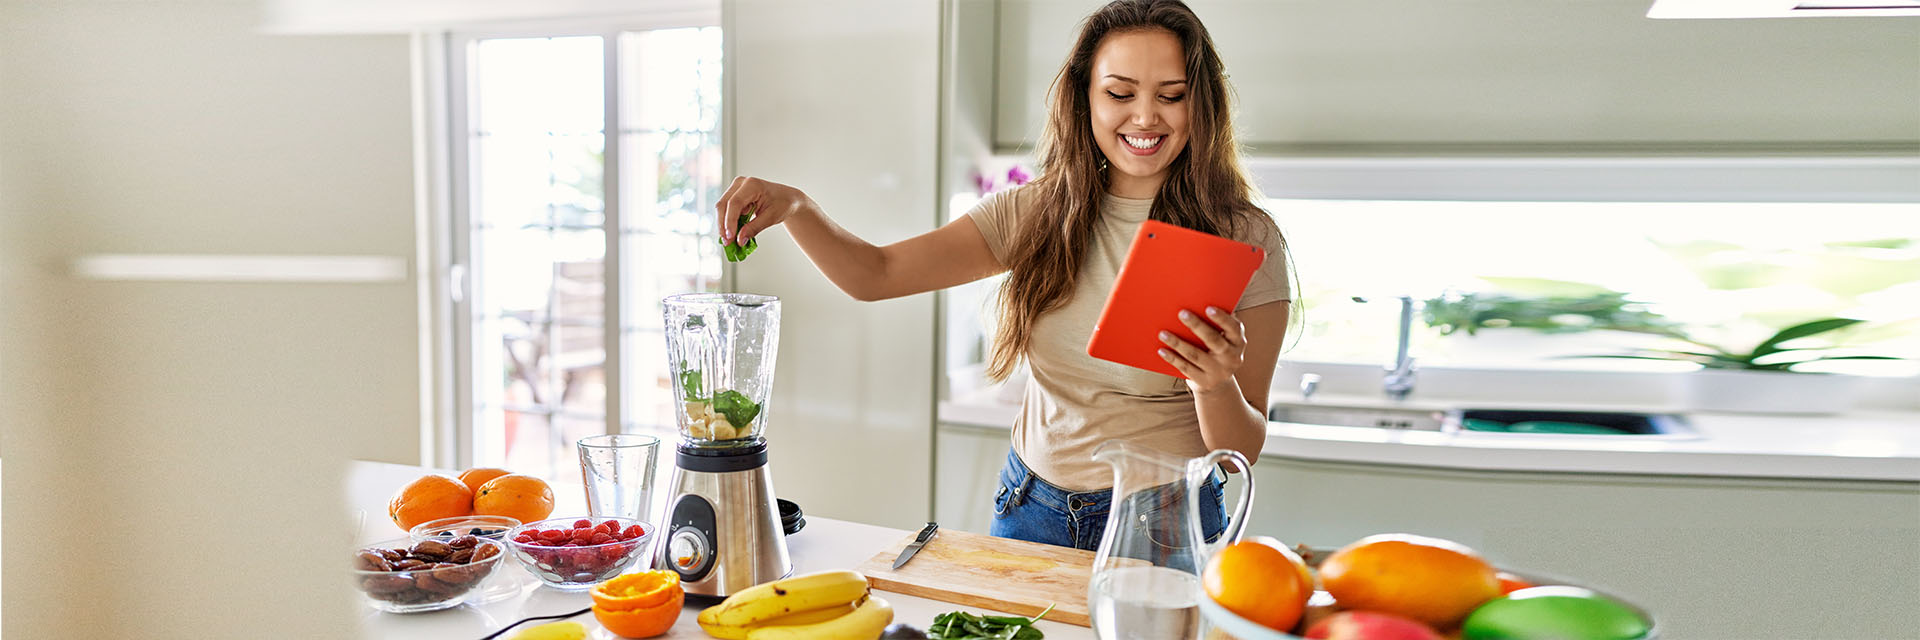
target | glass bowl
x=574, y=562
x=404, y=576
x=489, y=527
x=502, y=584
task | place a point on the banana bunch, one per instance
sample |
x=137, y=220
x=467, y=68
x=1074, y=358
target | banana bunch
x=829, y=605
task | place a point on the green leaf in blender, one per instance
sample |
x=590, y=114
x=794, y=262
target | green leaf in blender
x=739, y=410
x=690, y=383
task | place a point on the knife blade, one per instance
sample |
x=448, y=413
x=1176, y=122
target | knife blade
x=918, y=542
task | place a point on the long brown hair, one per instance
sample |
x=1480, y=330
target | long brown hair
x=1206, y=189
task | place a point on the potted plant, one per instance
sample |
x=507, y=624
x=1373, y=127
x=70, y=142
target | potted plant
x=1762, y=379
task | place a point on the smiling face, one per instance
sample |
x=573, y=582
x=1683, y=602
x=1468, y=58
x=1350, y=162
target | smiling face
x=1138, y=100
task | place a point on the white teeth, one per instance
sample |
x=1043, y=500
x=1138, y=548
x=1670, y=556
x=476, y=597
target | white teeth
x=1142, y=143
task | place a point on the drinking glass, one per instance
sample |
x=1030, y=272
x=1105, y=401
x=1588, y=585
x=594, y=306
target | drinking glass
x=618, y=472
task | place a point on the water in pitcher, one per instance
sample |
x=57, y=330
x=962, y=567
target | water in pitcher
x=1145, y=603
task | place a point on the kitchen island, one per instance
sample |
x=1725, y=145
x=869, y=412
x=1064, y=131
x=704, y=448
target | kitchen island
x=824, y=544
x=1764, y=526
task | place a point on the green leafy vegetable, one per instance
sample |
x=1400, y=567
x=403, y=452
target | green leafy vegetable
x=690, y=383
x=735, y=252
x=960, y=625
x=739, y=410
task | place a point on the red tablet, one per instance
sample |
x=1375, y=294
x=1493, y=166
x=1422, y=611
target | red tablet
x=1169, y=268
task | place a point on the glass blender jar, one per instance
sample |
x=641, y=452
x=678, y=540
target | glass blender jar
x=720, y=350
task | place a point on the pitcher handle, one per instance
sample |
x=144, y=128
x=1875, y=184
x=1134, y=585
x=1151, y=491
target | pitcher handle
x=1236, y=525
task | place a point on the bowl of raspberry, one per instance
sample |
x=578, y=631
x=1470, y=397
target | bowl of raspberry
x=577, y=553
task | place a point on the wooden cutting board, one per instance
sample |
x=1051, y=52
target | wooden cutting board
x=973, y=570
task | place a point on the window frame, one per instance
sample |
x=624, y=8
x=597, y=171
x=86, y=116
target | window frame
x=443, y=81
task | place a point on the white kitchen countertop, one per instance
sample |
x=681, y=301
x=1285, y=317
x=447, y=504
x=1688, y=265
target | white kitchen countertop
x=1863, y=445
x=824, y=544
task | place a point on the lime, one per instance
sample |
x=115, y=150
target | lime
x=1562, y=613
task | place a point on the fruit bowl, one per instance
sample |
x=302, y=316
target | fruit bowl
x=404, y=576
x=1226, y=625
x=577, y=553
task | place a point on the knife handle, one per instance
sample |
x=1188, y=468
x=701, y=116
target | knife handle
x=927, y=533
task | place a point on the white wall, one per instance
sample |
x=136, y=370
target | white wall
x=175, y=449
x=839, y=98
x=1517, y=76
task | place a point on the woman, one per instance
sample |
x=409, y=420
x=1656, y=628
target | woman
x=1138, y=128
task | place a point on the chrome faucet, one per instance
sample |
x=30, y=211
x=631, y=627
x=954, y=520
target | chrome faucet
x=1398, y=382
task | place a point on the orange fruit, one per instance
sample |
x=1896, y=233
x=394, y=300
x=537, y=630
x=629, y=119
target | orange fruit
x=430, y=498
x=644, y=621
x=636, y=590
x=1427, y=579
x=1258, y=582
x=1299, y=566
x=523, y=498
x=480, y=475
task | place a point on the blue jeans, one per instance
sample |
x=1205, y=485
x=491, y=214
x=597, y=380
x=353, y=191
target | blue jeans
x=1027, y=507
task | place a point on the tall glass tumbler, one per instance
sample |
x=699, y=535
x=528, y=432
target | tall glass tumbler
x=618, y=472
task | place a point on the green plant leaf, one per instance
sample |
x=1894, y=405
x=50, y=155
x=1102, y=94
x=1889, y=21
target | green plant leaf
x=735, y=252
x=1798, y=331
x=738, y=409
x=690, y=383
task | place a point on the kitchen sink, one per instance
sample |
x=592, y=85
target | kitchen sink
x=1350, y=416
x=1490, y=422
x=1606, y=424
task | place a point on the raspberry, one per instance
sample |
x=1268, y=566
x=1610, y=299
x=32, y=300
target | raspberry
x=553, y=534
x=582, y=524
x=633, y=532
x=600, y=538
x=523, y=538
x=609, y=526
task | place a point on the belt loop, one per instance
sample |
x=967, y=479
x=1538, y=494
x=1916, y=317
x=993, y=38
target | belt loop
x=1020, y=492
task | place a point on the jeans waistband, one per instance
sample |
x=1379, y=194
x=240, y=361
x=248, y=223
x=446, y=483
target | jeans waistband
x=1025, y=485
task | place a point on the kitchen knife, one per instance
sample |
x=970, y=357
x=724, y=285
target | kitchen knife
x=918, y=541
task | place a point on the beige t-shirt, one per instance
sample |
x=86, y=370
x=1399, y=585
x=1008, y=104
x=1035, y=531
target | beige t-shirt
x=1075, y=401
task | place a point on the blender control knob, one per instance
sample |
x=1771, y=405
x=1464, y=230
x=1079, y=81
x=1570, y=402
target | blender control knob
x=687, y=549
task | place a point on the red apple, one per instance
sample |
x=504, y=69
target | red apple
x=1369, y=625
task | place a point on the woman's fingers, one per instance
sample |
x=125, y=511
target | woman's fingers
x=1215, y=341
x=1188, y=369
x=1229, y=325
x=1182, y=347
x=755, y=222
x=720, y=209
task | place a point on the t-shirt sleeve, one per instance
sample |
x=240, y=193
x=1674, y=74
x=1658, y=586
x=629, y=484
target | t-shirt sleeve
x=1270, y=282
x=995, y=216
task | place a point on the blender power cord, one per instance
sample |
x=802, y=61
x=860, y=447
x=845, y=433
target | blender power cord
x=522, y=621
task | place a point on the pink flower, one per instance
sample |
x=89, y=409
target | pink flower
x=1018, y=175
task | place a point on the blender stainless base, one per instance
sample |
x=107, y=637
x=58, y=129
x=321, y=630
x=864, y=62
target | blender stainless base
x=723, y=531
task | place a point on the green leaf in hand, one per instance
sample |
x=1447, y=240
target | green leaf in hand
x=735, y=252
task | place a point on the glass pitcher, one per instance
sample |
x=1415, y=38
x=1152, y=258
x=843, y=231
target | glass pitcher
x=1146, y=581
x=720, y=351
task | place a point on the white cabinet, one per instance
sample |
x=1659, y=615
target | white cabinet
x=1513, y=75
x=966, y=474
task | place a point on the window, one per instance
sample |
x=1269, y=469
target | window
x=1727, y=273
x=571, y=242
x=1729, y=249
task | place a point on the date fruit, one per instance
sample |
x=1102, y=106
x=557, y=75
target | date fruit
x=429, y=572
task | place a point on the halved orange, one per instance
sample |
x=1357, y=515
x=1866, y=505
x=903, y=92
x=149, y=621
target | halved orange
x=644, y=622
x=640, y=590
